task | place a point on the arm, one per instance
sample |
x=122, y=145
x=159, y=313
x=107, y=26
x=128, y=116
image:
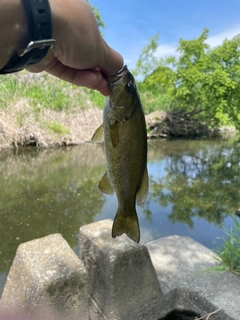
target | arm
x=13, y=29
x=80, y=55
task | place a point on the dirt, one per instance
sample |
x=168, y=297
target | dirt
x=19, y=127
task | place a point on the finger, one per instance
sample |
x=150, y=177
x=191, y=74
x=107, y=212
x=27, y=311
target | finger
x=91, y=79
x=112, y=61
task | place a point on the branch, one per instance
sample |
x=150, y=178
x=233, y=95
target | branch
x=209, y=315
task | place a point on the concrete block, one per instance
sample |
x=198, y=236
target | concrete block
x=122, y=281
x=47, y=275
x=181, y=264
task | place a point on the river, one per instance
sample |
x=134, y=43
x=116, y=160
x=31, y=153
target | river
x=194, y=188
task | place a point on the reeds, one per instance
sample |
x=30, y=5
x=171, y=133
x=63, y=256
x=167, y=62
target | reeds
x=42, y=111
x=229, y=254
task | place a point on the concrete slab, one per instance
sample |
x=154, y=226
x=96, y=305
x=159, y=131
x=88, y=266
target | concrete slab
x=180, y=264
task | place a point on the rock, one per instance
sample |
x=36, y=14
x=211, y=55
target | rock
x=181, y=264
x=119, y=279
x=47, y=275
x=122, y=281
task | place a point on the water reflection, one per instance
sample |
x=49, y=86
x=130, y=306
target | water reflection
x=194, y=186
x=47, y=192
x=199, y=181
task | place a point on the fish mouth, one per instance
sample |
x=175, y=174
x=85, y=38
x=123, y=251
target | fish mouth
x=116, y=79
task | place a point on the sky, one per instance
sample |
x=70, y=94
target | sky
x=131, y=23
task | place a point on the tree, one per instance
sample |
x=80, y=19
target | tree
x=202, y=81
x=97, y=14
x=147, y=61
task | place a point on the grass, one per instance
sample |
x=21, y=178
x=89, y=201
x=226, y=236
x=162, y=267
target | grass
x=45, y=91
x=96, y=98
x=46, y=110
x=50, y=111
x=229, y=255
x=57, y=128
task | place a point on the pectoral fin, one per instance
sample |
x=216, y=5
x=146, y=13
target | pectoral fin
x=114, y=134
x=105, y=185
x=143, y=190
x=98, y=135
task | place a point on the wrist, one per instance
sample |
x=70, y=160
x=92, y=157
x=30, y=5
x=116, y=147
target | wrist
x=39, y=21
x=13, y=22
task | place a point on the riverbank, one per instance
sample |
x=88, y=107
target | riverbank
x=42, y=111
x=20, y=128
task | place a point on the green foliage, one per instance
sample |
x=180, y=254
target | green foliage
x=229, y=255
x=97, y=14
x=153, y=99
x=201, y=80
x=147, y=60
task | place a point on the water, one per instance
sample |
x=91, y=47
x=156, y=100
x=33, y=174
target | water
x=194, y=187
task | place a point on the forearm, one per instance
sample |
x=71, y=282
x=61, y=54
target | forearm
x=14, y=29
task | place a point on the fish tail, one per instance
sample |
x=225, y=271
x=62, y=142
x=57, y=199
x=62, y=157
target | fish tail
x=126, y=224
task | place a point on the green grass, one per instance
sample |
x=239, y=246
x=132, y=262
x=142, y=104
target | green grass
x=8, y=87
x=56, y=127
x=96, y=98
x=229, y=255
x=45, y=91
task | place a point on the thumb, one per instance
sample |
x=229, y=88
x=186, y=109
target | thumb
x=112, y=61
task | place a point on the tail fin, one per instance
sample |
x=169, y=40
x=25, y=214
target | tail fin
x=126, y=224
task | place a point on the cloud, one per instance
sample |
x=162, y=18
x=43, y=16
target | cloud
x=217, y=40
x=165, y=50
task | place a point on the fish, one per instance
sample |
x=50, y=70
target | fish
x=124, y=134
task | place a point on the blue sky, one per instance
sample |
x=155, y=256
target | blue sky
x=131, y=23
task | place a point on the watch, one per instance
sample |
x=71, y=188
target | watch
x=40, y=34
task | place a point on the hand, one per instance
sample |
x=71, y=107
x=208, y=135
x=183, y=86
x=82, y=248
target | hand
x=80, y=55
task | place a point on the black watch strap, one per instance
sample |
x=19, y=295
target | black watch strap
x=40, y=32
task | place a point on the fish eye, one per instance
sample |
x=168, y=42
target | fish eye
x=128, y=87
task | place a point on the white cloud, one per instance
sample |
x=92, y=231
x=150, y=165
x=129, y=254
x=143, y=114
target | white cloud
x=164, y=50
x=217, y=40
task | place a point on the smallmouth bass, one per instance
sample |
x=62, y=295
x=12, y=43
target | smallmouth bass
x=125, y=147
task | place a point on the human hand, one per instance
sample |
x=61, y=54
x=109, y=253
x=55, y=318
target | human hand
x=80, y=55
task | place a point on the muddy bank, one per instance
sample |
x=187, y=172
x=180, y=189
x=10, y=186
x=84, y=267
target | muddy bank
x=19, y=127
x=177, y=124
